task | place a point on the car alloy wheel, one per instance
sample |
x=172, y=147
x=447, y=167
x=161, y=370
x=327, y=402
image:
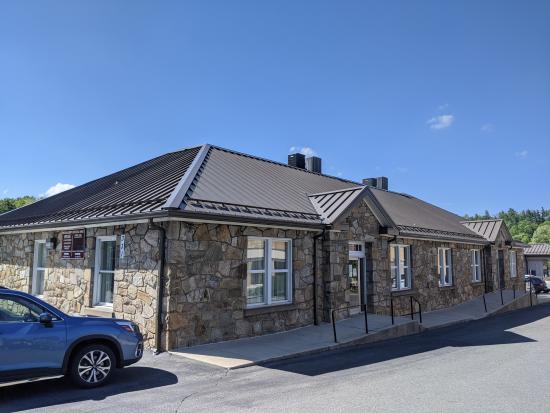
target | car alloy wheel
x=94, y=366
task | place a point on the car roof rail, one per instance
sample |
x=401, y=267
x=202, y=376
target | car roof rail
x=3, y=288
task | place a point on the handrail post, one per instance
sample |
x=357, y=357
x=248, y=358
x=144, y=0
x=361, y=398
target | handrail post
x=419, y=310
x=501, y=298
x=412, y=308
x=334, y=325
x=391, y=304
x=484, y=303
x=530, y=298
x=366, y=320
x=514, y=289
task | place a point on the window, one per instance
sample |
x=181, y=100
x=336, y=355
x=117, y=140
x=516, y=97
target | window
x=445, y=260
x=104, y=277
x=513, y=264
x=18, y=310
x=269, y=275
x=400, y=262
x=39, y=269
x=476, y=266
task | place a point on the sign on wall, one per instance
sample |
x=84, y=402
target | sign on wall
x=122, y=245
x=73, y=245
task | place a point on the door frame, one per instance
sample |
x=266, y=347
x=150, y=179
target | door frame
x=359, y=256
x=97, y=275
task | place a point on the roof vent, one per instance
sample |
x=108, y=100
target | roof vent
x=313, y=164
x=380, y=183
x=297, y=160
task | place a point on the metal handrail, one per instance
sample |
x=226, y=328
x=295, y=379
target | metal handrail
x=412, y=313
x=333, y=318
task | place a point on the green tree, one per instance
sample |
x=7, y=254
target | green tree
x=523, y=230
x=542, y=233
x=7, y=204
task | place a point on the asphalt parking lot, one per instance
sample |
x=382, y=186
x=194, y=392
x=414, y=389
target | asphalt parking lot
x=491, y=365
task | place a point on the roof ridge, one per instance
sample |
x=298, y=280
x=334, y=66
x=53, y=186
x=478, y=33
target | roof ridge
x=483, y=220
x=259, y=158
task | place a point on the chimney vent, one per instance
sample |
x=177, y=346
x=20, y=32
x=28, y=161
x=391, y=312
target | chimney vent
x=297, y=160
x=380, y=183
x=313, y=164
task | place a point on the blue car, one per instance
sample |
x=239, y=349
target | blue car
x=37, y=340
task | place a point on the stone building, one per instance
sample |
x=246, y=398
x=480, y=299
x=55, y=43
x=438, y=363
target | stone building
x=208, y=244
x=537, y=258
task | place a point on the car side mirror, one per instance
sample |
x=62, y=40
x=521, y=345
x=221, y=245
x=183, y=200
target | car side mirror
x=46, y=319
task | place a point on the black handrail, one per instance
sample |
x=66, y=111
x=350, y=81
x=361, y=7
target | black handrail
x=419, y=312
x=333, y=318
x=484, y=303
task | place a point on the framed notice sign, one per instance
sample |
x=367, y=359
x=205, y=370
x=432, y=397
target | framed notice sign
x=72, y=245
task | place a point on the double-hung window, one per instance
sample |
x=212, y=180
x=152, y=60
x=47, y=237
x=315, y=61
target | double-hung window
x=445, y=260
x=513, y=264
x=269, y=272
x=400, y=262
x=39, y=270
x=476, y=266
x=104, y=278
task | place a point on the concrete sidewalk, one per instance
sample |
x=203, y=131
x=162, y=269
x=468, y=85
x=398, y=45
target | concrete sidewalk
x=313, y=339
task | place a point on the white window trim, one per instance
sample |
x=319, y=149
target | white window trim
x=268, y=271
x=98, y=242
x=514, y=267
x=35, y=268
x=446, y=269
x=357, y=254
x=408, y=268
x=476, y=266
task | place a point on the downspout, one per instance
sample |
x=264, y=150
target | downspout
x=160, y=284
x=315, y=238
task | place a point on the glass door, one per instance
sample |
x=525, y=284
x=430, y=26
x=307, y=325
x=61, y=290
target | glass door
x=104, y=277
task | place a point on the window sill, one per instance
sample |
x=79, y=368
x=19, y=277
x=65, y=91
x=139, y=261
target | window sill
x=447, y=287
x=397, y=293
x=477, y=282
x=248, y=312
x=99, y=311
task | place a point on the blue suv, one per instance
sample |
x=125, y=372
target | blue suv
x=37, y=340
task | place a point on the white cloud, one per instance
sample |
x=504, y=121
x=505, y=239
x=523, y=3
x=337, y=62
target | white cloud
x=487, y=128
x=443, y=107
x=522, y=154
x=56, y=189
x=305, y=150
x=441, y=121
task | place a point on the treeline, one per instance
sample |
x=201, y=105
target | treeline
x=7, y=204
x=531, y=225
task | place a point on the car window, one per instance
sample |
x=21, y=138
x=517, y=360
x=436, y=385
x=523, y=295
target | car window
x=17, y=310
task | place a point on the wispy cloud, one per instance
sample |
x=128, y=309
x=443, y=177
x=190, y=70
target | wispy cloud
x=402, y=169
x=443, y=107
x=441, y=121
x=56, y=189
x=5, y=191
x=487, y=128
x=522, y=154
x=304, y=150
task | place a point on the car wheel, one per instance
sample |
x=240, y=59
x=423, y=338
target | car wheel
x=92, y=366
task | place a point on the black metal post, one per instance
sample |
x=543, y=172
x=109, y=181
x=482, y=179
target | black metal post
x=484, y=303
x=514, y=289
x=420, y=311
x=334, y=325
x=366, y=321
x=530, y=297
x=391, y=304
x=501, y=298
x=412, y=308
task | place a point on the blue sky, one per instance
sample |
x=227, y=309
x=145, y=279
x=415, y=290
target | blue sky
x=450, y=100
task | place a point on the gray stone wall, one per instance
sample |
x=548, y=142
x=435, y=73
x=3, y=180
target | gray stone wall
x=206, y=267
x=68, y=284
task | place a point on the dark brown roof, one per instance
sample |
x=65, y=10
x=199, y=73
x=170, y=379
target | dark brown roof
x=538, y=249
x=139, y=190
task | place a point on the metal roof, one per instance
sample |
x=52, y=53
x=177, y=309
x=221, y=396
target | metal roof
x=138, y=190
x=414, y=217
x=487, y=228
x=330, y=205
x=538, y=249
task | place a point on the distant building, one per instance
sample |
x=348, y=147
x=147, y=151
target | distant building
x=538, y=259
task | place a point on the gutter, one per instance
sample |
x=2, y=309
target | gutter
x=315, y=238
x=160, y=284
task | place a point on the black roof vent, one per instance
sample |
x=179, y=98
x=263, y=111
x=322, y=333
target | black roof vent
x=297, y=160
x=380, y=183
x=313, y=164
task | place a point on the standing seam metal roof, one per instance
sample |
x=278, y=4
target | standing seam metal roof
x=487, y=228
x=538, y=249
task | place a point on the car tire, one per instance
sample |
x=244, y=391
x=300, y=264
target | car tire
x=92, y=366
